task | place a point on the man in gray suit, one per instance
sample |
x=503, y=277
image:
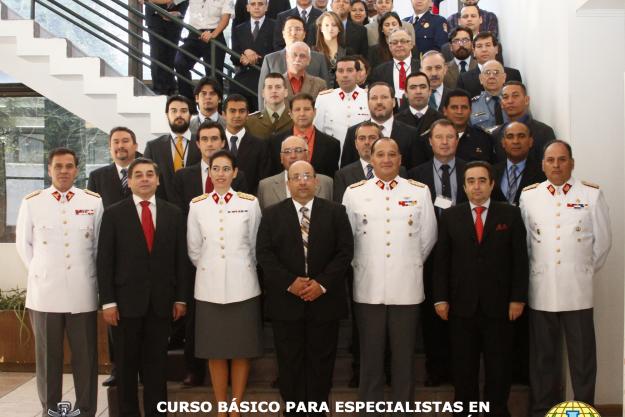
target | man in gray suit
x=461, y=48
x=298, y=80
x=273, y=190
x=293, y=31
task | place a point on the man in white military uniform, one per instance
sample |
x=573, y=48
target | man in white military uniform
x=56, y=237
x=394, y=230
x=342, y=107
x=568, y=233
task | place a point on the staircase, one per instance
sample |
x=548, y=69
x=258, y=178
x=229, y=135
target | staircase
x=86, y=86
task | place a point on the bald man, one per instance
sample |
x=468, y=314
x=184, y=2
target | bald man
x=486, y=111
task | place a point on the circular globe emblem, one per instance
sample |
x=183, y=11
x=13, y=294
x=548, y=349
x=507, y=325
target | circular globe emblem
x=572, y=409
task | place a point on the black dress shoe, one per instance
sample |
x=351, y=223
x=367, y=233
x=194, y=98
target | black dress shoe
x=111, y=381
x=354, y=382
x=192, y=380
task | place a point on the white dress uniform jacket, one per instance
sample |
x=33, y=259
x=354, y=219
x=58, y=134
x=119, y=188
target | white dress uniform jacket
x=568, y=235
x=394, y=230
x=221, y=240
x=57, y=240
x=337, y=111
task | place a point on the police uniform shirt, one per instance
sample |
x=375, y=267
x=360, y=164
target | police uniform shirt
x=483, y=111
x=186, y=142
x=569, y=237
x=337, y=111
x=394, y=229
x=57, y=238
x=206, y=14
x=221, y=240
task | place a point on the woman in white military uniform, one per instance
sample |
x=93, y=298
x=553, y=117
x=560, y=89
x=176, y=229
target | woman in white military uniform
x=221, y=237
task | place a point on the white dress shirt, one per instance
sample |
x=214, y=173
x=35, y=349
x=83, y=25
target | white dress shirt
x=239, y=135
x=204, y=169
x=486, y=205
x=206, y=14
x=387, y=127
x=399, y=93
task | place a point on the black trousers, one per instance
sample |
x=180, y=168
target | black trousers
x=141, y=345
x=306, y=351
x=470, y=338
x=435, y=335
x=163, y=82
x=200, y=49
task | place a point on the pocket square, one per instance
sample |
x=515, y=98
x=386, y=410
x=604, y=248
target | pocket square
x=501, y=227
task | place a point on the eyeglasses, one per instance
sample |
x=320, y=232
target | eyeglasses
x=462, y=41
x=494, y=73
x=290, y=151
x=399, y=42
x=299, y=177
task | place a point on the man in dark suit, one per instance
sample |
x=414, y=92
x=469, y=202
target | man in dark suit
x=403, y=64
x=304, y=10
x=381, y=101
x=485, y=47
x=461, y=51
x=252, y=153
x=208, y=96
x=433, y=65
x=304, y=247
x=475, y=144
x=142, y=278
x=323, y=150
x=241, y=13
x=515, y=104
x=480, y=285
x=163, y=82
x=252, y=39
x=111, y=183
x=418, y=114
x=172, y=152
x=444, y=176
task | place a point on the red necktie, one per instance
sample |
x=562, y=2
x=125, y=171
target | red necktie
x=479, y=224
x=402, y=76
x=147, y=224
x=208, y=185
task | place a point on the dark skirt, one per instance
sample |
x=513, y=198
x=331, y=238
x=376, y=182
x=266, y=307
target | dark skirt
x=228, y=331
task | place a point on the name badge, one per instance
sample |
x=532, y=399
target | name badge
x=442, y=202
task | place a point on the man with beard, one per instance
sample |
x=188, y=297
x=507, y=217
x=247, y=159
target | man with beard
x=172, y=152
x=462, y=49
x=208, y=96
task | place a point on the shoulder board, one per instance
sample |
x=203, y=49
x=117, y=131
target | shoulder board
x=416, y=183
x=92, y=193
x=199, y=198
x=590, y=184
x=256, y=113
x=531, y=187
x=329, y=90
x=476, y=98
x=246, y=196
x=358, y=184
x=31, y=195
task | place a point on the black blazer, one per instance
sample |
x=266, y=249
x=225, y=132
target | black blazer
x=423, y=123
x=159, y=151
x=541, y=132
x=532, y=174
x=425, y=173
x=188, y=185
x=325, y=157
x=242, y=39
x=253, y=159
x=105, y=181
x=275, y=6
x=349, y=175
x=280, y=252
x=384, y=71
x=476, y=145
x=485, y=276
x=470, y=80
x=311, y=29
x=134, y=278
x=411, y=147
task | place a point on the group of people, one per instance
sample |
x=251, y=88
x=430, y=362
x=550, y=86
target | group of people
x=420, y=194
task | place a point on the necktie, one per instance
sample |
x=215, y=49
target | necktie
x=233, y=145
x=445, y=181
x=208, y=185
x=463, y=66
x=402, y=76
x=369, y=171
x=513, y=183
x=432, y=101
x=124, y=180
x=498, y=114
x=275, y=116
x=147, y=224
x=418, y=115
x=178, y=158
x=305, y=227
x=304, y=16
x=479, y=224
x=256, y=30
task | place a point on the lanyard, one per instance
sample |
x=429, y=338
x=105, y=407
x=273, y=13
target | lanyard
x=184, y=149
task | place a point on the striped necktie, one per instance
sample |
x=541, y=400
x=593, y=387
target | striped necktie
x=305, y=227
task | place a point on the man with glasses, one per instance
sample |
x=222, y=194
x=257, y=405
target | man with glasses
x=273, y=190
x=461, y=48
x=486, y=109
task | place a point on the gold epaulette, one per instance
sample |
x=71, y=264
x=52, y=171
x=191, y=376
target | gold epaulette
x=531, y=187
x=416, y=183
x=358, y=184
x=590, y=184
x=92, y=193
x=329, y=90
x=246, y=196
x=199, y=198
x=31, y=195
